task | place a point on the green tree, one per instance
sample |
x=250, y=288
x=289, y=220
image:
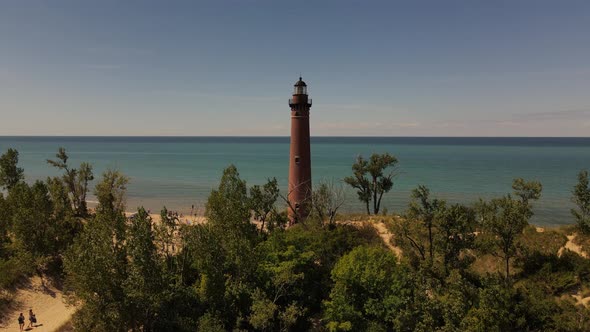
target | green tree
x=262, y=201
x=165, y=238
x=456, y=233
x=15, y=260
x=210, y=323
x=10, y=173
x=32, y=221
x=5, y=223
x=370, y=288
x=581, y=197
x=424, y=209
x=233, y=238
x=228, y=213
x=67, y=225
x=527, y=191
x=96, y=270
x=76, y=180
x=96, y=265
x=144, y=284
x=504, y=219
x=111, y=191
x=371, y=180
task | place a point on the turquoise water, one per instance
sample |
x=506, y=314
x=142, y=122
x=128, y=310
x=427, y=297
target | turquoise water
x=181, y=171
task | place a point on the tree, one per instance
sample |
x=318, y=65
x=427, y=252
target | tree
x=10, y=173
x=504, y=219
x=327, y=198
x=32, y=221
x=233, y=238
x=370, y=179
x=423, y=209
x=527, y=191
x=144, y=283
x=97, y=264
x=370, y=288
x=96, y=270
x=456, y=232
x=581, y=197
x=111, y=191
x=76, y=180
x=262, y=201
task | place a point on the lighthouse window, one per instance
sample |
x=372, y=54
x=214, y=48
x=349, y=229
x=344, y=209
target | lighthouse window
x=297, y=160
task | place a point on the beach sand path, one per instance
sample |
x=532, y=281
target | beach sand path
x=47, y=304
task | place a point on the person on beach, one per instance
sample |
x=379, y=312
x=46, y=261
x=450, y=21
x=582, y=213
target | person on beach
x=21, y=321
x=32, y=318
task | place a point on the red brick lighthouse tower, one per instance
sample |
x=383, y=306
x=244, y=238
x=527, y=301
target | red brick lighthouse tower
x=299, y=194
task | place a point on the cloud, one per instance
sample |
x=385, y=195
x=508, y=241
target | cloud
x=104, y=66
x=581, y=114
x=373, y=108
x=219, y=96
x=365, y=125
x=117, y=50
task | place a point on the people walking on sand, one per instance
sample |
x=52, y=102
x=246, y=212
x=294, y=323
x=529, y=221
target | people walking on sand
x=32, y=318
x=21, y=321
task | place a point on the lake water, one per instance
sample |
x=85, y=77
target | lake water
x=181, y=171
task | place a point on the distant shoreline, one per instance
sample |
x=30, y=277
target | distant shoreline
x=178, y=172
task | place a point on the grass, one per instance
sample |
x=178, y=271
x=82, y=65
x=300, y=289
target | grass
x=583, y=240
x=547, y=242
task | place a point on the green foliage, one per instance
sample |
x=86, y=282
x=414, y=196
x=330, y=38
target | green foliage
x=228, y=215
x=111, y=192
x=581, y=197
x=210, y=323
x=423, y=209
x=144, y=275
x=546, y=242
x=132, y=274
x=10, y=173
x=527, y=191
x=32, y=221
x=456, y=234
x=504, y=219
x=75, y=180
x=14, y=266
x=5, y=224
x=262, y=203
x=370, y=180
x=96, y=270
x=370, y=288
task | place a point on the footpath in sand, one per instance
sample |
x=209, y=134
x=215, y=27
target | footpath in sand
x=47, y=304
x=571, y=246
x=381, y=230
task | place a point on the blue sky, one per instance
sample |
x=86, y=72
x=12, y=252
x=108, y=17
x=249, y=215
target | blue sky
x=386, y=68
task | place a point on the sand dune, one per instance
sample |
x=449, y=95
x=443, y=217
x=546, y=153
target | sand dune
x=47, y=303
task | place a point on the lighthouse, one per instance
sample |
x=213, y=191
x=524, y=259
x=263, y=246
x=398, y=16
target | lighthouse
x=299, y=195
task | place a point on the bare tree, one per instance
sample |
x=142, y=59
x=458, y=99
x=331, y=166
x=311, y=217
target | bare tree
x=296, y=215
x=327, y=198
